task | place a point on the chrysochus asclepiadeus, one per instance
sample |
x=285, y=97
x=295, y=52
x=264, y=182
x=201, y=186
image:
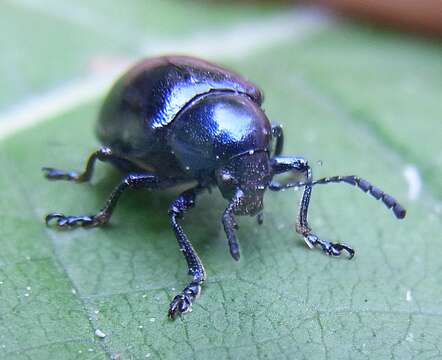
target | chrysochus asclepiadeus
x=178, y=120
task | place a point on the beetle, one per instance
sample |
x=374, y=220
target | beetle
x=177, y=120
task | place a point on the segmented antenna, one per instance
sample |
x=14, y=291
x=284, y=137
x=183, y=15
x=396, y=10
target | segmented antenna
x=389, y=201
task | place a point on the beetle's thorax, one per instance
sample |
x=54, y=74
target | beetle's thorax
x=214, y=129
x=244, y=180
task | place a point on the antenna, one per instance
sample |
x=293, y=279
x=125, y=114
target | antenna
x=389, y=201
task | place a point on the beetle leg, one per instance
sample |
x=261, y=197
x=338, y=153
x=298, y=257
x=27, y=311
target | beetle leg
x=303, y=228
x=131, y=181
x=278, y=133
x=284, y=164
x=183, y=302
x=102, y=154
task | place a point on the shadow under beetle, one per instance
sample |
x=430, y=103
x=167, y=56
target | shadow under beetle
x=181, y=120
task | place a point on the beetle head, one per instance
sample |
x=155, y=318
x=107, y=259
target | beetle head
x=244, y=180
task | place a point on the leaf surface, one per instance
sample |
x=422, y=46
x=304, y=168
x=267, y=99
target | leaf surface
x=351, y=97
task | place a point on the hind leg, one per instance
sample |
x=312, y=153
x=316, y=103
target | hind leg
x=131, y=181
x=102, y=154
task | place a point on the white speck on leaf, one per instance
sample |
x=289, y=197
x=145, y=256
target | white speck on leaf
x=280, y=226
x=413, y=178
x=152, y=319
x=408, y=296
x=100, y=334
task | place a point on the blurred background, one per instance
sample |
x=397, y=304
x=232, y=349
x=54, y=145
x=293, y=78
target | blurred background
x=55, y=55
x=357, y=86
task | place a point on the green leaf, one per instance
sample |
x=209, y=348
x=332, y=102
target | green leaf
x=56, y=41
x=344, y=98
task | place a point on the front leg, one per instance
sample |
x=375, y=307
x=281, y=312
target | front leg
x=303, y=227
x=183, y=302
x=281, y=165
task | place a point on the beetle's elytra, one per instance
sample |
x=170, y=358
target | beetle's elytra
x=177, y=120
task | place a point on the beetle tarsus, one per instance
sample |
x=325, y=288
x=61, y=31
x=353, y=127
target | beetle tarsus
x=332, y=249
x=63, y=221
x=56, y=174
x=182, y=303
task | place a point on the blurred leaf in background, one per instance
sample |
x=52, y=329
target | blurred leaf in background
x=359, y=99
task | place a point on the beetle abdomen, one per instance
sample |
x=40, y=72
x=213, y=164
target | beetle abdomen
x=158, y=88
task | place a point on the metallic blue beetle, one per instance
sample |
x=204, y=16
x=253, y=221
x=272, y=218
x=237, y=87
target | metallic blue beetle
x=180, y=120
